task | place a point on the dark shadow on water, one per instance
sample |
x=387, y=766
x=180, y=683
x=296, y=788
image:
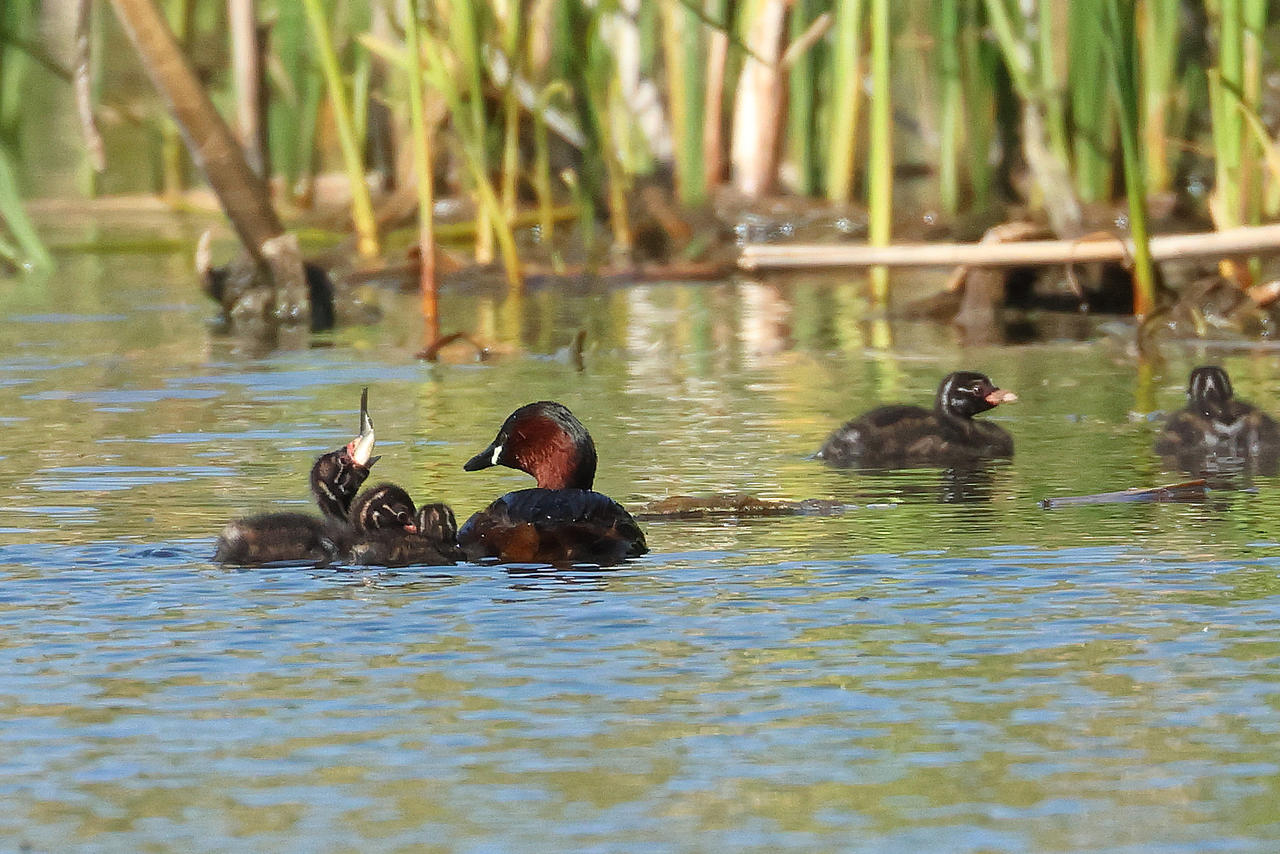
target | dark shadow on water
x=1222, y=472
x=966, y=484
x=544, y=578
x=972, y=483
x=432, y=579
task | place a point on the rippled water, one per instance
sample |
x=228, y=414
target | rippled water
x=944, y=667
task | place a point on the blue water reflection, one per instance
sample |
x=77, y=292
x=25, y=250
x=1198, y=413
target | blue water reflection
x=943, y=667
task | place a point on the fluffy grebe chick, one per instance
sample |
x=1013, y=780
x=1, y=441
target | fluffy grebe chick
x=902, y=435
x=1216, y=427
x=300, y=537
x=389, y=531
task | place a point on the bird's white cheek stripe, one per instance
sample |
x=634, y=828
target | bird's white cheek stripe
x=497, y=452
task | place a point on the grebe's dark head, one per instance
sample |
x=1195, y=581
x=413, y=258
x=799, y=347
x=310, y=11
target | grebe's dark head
x=966, y=393
x=545, y=440
x=384, y=507
x=337, y=476
x=1209, y=390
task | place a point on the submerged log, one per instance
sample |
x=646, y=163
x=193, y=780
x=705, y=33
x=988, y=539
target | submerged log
x=737, y=506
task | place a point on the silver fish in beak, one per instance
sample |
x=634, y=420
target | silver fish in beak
x=361, y=448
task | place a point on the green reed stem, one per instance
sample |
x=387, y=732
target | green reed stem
x=1091, y=110
x=489, y=213
x=1255, y=20
x=1120, y=43
x=1227, y=123
x=1051, y=87
x=1032, y=70
x=427, y=284
x=846, y=97
x=1158, y=34
x=361, y=72
x=607, y=117
x=619, y=190
x=308, y=127
x=977, y=77
x=542, y=168
x=802, y=83
x=1017, y=57
x=511, y=35
x=16, y=18
x=682, y=46
x=880, y=168
x=951, y=104
x=287, y=122
x=31, y=249
x=465, y=40
x=361, y=205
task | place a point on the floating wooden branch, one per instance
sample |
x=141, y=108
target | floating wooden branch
x=1248, y=240
x=1190, y=490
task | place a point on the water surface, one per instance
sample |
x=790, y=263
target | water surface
x=943, y=667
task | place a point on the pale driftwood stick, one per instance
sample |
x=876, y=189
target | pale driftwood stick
x=246, y=56
x=1186, y=491
x=1249, y=240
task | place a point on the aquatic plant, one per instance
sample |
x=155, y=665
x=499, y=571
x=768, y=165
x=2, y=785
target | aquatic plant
x=25, y=248
x=845, y=97
x=344, y=122
x=20, y=245
x=880, y=180
x=1120, y=52
x=424, y=183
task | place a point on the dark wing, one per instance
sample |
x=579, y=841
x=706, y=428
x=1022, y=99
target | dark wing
x=1260, y=434
x=902, y=435
x=553, y=526
x=958, y=441
x=278, y=537
x=1185, y=432
x=1265, y=444
x=881, y=437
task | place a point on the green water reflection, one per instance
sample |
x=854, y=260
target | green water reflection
x=943, y=667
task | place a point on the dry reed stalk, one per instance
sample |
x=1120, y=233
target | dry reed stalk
x=757, y=109
x=1245, y=240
